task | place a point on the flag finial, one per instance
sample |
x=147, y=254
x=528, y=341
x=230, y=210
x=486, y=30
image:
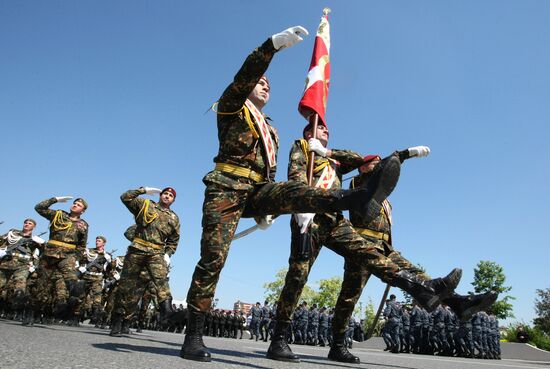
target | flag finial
x=326, y=11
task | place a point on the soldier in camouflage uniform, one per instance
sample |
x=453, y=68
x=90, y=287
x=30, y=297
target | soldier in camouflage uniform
x=155, y=241
x=109, y=289
x=57, y=265
x=93, y=273
x=241, y=185
x=334, y=231
x=17, y=248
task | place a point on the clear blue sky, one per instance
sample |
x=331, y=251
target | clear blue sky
x=97, y=97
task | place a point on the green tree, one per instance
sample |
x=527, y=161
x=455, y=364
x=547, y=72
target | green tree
x=542, y=308
x=273, y=289
x=328, y=292
x=489, y=276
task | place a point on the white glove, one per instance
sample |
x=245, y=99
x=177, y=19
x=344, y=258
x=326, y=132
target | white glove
x=38, y=240
x=289, y=37
x=116, y=276
x=63, y=198
x=316, y=146
x=151, y=190
x=265, y=222
x=304, y=220
x=82, y=270
x=419, y=151
x=32, y=268
x=167, y=259
x=2, y=253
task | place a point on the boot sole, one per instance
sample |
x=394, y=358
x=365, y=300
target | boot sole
x=288, y=360
x=346, y=361
x=195, y=358
x=384, y=187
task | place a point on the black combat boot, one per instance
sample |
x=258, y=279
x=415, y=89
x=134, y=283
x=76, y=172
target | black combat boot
x=125, y=328
x=466, y=306
x=418, y=289
x=166, y=309
x=278, y=348
x=193, y=348
x=339, y=352
x=444, y=287
x=368, y=200
x=28, y=317
x=116, y=325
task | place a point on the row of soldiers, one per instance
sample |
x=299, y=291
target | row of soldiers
x=439, y=332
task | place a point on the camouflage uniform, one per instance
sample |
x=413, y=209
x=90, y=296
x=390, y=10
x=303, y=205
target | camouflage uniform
x=156, y=234
x=242, y=183
x=14, y=267
x=57, y=264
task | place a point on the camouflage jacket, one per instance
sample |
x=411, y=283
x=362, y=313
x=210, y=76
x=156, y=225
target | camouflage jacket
x=97, y=262
x=63, y=229
x=381, y=223
x=238, y=143
x=154, y=223
x=22, y=250
x=342, y=161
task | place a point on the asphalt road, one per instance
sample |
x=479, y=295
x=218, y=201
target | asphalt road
x=87, y=347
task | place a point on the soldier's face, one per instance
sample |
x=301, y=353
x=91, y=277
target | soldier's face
x=99, y=244
x=260, y=95
x=369, y=166
x=167, y=198
x=77, y=208
x=28, y=226
x=322, y=134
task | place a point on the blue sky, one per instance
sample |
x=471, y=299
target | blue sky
x=97, y=97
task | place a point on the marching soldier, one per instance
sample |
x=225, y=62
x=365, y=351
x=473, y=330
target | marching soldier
x=393, y=314
x=17, y=248
x=265, y=320
x=93, y=273
x=255, y=314
x=155, y=241
x=66, y=246
x=241, y=185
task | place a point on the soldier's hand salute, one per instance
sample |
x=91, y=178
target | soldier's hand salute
x=288, y=37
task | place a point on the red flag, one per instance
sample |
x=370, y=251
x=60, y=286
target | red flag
x=315, y=95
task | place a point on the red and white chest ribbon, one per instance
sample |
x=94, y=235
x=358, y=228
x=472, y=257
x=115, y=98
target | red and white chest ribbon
x=265, y=133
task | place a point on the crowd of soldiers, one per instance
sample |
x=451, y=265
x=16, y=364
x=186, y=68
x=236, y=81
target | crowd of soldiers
x=440, y=332
x=68, y=281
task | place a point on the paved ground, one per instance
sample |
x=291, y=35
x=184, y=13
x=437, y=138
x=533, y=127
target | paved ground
x=86, y=347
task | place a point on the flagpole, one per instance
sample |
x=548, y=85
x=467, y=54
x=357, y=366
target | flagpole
x=314, y=121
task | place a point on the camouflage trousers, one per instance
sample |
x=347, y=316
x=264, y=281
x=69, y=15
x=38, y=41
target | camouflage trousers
x=362, y=257
x=53, y=276
x=93, y=292
x=223, y=207
x=131, y=286
x=13, y=279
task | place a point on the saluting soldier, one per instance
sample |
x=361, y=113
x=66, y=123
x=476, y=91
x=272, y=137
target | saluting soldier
x=57, y=265
x=17, y=248
x=155, y=240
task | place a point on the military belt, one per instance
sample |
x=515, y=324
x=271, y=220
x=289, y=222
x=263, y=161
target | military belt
x=139, y=241
x=62, y=244
x=374, y=234
x=94, y=273
x=239, y=171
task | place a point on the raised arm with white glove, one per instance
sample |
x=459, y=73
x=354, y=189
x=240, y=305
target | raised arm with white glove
x=63, y=198
x=413, y=152
x=288, y=37
x=316, y=146
x=264, y=222
x=152, y=190
x=167, y=259
x=304, y=220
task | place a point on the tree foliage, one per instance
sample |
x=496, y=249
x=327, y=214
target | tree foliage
x=328, y=292
x=542, y=308
x=489, y=276
x=273, y=289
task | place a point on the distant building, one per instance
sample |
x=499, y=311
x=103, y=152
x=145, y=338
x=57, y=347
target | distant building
x=244, y=306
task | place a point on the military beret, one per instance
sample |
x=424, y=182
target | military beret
x=102, y=238
x=80, y=199
x=169, y=189
x=30, y=220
